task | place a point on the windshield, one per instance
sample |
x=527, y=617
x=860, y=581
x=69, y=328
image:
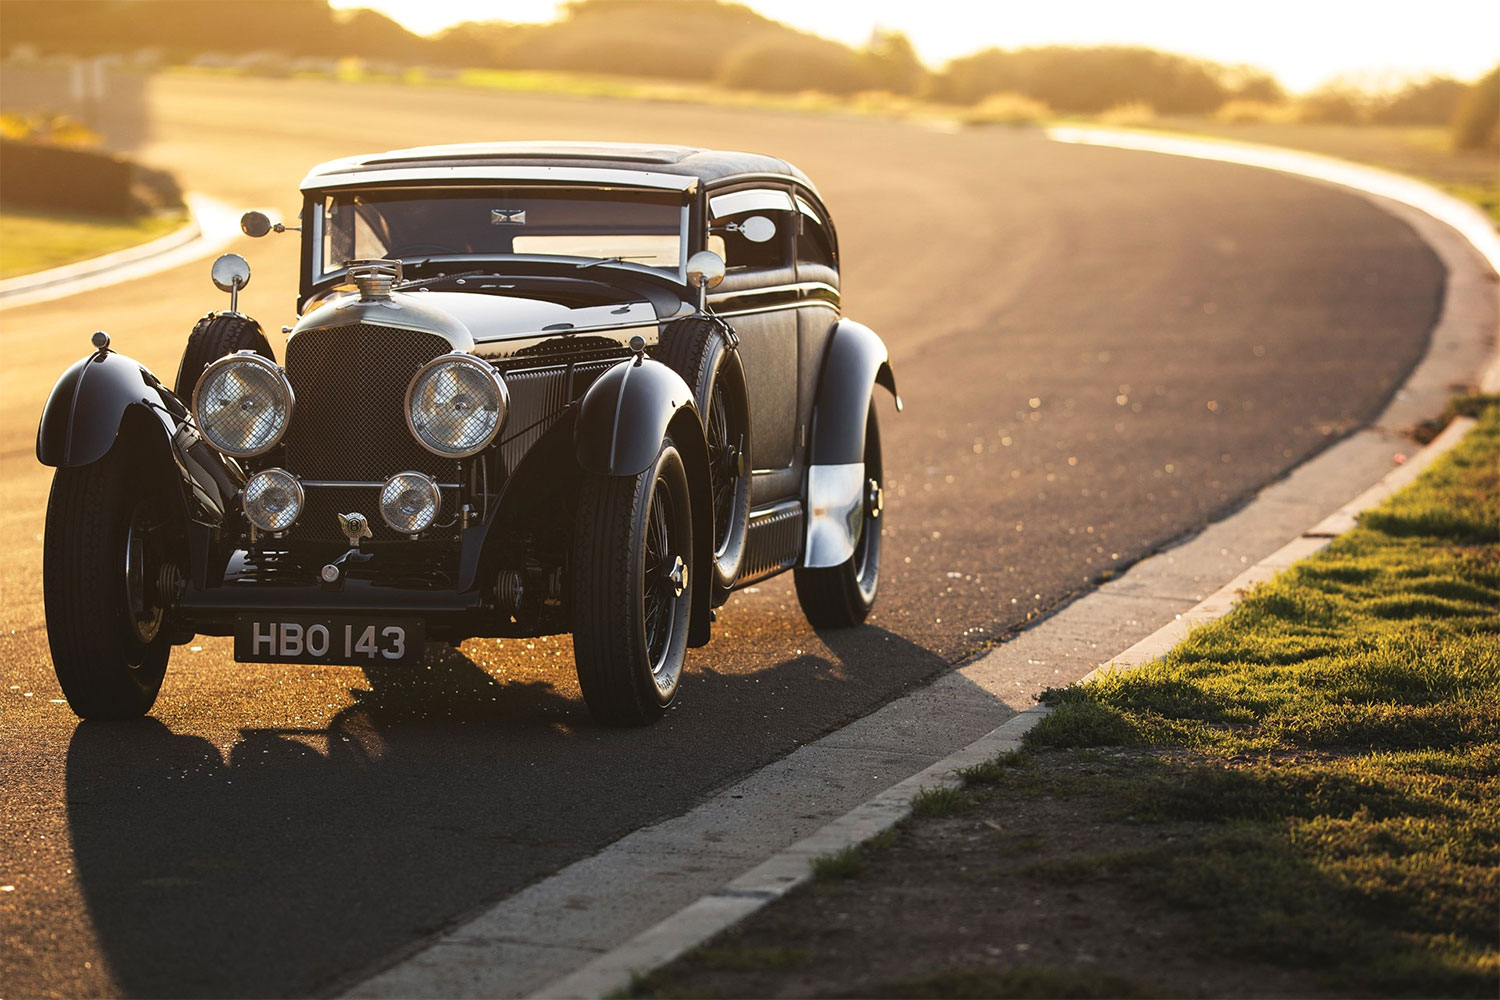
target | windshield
x=641, y=227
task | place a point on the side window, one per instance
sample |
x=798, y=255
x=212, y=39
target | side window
x=729, y=212
x=814, y=243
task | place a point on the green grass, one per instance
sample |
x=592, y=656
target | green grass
x=35, y=241
x=1330, y=750
x=942, y=800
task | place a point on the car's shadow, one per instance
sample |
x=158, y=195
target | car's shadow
x=307, y=854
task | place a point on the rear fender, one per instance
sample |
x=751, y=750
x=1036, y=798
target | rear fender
x=856, y=361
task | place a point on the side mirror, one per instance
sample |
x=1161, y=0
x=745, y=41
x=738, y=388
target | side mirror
x=255, y=224
x=757, y=229
x=705, y=269
x=258, y=224
x=230, y=273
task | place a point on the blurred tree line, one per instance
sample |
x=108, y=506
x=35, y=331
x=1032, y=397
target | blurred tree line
x=725, y=43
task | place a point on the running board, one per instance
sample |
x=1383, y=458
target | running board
x=774, y=542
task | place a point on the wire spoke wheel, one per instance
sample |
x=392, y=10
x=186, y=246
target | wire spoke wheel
x=631, y=594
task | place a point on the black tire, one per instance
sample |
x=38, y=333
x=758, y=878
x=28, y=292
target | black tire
x=108, y=536
x=630, y=616
x=699, y=350
x=841, y=596
x=214, y=336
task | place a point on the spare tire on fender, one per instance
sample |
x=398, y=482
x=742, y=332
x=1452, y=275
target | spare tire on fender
x=213, y=336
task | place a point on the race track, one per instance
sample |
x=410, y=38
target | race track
x=1099, y=351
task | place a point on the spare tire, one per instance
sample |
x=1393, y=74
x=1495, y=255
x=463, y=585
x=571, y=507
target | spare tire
x=214, y=336
x=702, y=351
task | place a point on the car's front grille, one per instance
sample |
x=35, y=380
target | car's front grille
x=348, y=422
x=538, y=397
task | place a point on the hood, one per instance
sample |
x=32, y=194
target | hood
x=502, y=320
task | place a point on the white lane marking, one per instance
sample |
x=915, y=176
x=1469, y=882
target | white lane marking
x=214, y=225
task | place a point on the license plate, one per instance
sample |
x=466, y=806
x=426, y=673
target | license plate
x=332, y=639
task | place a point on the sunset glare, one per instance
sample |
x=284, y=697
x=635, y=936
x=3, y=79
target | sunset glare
x=1303, y=43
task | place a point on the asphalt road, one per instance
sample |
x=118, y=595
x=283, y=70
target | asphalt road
x=1100, y=350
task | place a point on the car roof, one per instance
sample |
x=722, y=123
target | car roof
x=624, y=163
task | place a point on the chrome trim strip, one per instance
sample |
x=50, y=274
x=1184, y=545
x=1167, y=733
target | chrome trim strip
x=605, y=177
x=834, y=500
x=509, y=347
x=361, y=484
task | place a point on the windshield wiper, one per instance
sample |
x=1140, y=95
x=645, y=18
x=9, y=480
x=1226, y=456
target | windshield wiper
x=424, y=282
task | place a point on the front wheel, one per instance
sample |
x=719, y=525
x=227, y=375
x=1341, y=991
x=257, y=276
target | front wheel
x=841, y=596
x=632, y=546
x=107, y=574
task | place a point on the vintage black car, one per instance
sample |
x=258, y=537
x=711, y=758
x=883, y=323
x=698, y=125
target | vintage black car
x=533, y=389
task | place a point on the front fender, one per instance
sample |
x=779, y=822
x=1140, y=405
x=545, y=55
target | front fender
x=624, y=416
x=88, y=408
x=84, y=412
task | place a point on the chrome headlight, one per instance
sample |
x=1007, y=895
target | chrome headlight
x=409, y=502
x=272, y=500
x=243, y=403
x=456, y=405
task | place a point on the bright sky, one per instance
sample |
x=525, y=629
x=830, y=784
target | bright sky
x=1303, y=42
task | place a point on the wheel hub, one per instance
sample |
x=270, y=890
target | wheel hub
x=677, y=576
x=874, y=498
x=144, y=580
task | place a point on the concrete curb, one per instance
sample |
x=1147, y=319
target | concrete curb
x=576, y=932
x=773, y=878
x=212, y=225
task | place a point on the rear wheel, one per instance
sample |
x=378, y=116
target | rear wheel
x=107, y=580
x=699, y=350
x=841, y=596
x=633, y=544
x=214, y=336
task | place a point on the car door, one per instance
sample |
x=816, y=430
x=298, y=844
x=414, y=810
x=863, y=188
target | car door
x=818, y=297
x=758, y=297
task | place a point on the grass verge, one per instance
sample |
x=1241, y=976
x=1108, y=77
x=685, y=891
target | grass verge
x=1301, y=798
x=35, y=241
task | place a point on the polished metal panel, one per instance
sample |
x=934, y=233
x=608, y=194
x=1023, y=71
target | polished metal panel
x=401, y=311
x=835, y=503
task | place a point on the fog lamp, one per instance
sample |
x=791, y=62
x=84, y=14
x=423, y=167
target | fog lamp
x=273, y=500
x=409, y=502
